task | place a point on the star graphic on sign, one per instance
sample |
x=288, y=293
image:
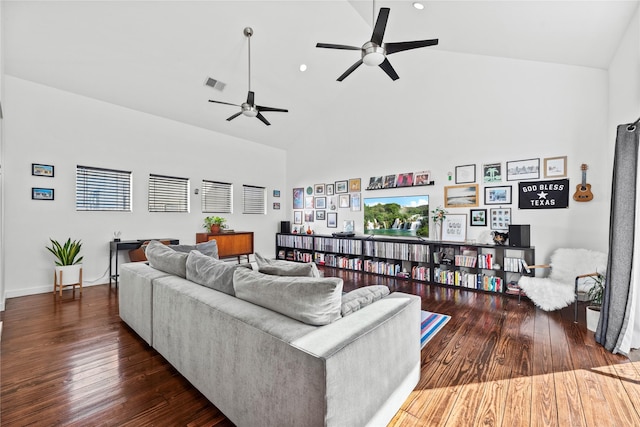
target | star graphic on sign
x=542, y=195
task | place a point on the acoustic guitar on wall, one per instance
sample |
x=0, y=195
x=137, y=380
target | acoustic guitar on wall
x=583, y=191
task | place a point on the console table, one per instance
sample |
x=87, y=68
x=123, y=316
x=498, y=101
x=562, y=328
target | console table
x=127, y=245
x=230, y=244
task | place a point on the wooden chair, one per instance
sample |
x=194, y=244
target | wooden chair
x=568, y=270
x=58, y=283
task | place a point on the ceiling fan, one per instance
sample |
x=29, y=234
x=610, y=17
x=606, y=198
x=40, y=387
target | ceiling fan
x=374, y=52
x=249, y=108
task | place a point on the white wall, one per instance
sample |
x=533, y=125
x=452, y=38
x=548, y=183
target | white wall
x=463, y=109
x=45, y=125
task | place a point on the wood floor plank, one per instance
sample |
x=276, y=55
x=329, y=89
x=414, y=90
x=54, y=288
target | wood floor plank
x=544, y=411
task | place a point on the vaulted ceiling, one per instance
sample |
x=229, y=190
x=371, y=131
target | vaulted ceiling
x=154, y=56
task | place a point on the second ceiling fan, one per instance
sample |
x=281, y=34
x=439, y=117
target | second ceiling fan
x=374, y=52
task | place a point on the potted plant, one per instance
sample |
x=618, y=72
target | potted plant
x=68, y=260
x=214, y=223
x=595, y=296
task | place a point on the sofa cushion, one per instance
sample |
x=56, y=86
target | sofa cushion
x=312, y=300
x=286, y=268
x=211, y=272
x=163, y=258
x=209, y=248
x=362, y=297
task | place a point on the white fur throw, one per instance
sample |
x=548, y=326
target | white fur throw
x=557, y=291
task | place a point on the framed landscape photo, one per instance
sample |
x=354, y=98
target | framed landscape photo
x=465, y=174
x=500, y=218
x=42, y=193
x=491, y=172
x=519, y=170
x=332, y=219
x=460, y=196
x=342, y=186
x=42, y=170
x=297, y=217
x=454, y=228
x=354, y=185
x=555, y=167
x=478, y=218
x=321, y=203
x=497, y=195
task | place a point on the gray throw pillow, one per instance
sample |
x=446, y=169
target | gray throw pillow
x=362, y=297
x=286, y=268
x=211, y=272
x=209, y=248
x=163, y=258
x=312, y=300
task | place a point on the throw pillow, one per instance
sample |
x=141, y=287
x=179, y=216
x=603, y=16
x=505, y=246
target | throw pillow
x=209, y=248
x=211, y=272
x=362, y=297
x=312, y=300
x=286, y=268
x=163, y=258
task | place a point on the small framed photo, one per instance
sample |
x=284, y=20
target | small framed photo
x=491, y=172
x=308, y=202
x=356, y=202
x=344, y=201
x=454, y=228
x=297, y=217
x=555, y=167
x=42, y=170
x=389, y=181
x=332, y=219
x=460, y=196
x=342, y=186
x=308, y=216
x=298, y=198
x=321, y=202
x=478, y=218
x=319, y=189
x=497, y=195
x=519, y=170
x=404, y=180
x=375, y=183
x=42, y=193
x=320, y=215
x=276, y=206
x=465, y=174
x=330, y=189
x=348, y=226
x=422, y=178
x=500, y=218
x=276, y=193
x=354, y=185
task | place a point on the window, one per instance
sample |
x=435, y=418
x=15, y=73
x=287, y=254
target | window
x=254, y=200
x=168, y=194
x=100, y=189
x=217, y=196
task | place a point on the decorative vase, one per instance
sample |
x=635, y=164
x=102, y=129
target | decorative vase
x=438, y=230
x=593, y=317
x=215, y=228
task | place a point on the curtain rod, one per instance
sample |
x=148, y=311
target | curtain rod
x=632, y=126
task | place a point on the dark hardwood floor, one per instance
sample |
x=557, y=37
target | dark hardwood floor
x=73, y=362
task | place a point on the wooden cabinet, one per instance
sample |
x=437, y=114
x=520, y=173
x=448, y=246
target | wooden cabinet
x=231, y=244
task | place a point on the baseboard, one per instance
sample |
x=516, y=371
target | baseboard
x=38, y=290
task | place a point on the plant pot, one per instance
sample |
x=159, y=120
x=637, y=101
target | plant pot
x=593, y=317
x=215, y=228
x=70, y=273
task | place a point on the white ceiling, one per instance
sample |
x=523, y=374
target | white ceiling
x=154, y=56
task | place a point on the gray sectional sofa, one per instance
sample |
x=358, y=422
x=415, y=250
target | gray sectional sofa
x=276, y=350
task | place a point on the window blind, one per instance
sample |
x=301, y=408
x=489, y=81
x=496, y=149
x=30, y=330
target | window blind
x=217, y=196
x=254, y=200
x=168, y=194
x=99, y=189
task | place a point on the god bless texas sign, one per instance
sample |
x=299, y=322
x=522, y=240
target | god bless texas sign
x=543, y=194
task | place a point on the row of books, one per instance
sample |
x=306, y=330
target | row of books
x=331, y=260
x=514, y=264
x=468, y=280
x=466, y=261
x=329, y=244
x=295, y=255
x=300, y=242
x=396, y=250
x=381, y=267
x=420, y=273
x=485, y=261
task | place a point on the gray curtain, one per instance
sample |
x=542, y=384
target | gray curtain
x=614, y=316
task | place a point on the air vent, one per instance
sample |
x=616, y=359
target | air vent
x=216, y=84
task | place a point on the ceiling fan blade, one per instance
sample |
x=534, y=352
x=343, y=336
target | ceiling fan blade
x=278, y=110
x=386, y=66
x=399, y=47
x=381, y=24
x=250, y=97
x=263, y=120
x=234, y=116
x=225, y=103
x=337, y=46
x=350, y=70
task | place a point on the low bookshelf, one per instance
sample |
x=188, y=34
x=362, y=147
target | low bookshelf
x=482, y=267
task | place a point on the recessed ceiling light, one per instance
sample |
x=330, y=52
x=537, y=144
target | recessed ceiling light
x=303, y=67
x=418, y=5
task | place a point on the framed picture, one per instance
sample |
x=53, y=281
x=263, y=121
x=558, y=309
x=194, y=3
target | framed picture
x=356, y=202
x=309, y=190
x=298, y=198
x=329, y=189
x=492, y=172
x=497, y=195
x=42, y=170
x=348, y=226
x=404, y=180
x=478, y=218
x=375, y=183
x=422, y=178
x=297, y=217
x=465, y=174
x=276, y=193
x=332, y=203
x=320, y=215
x=389, y=181
x=354, y=185
x=42, y=193
x=500, y=218
x=321, y=202
x=460, y=196
x=332, y=219
x=523, y=169
x=342, y=186
x=454, y=228
x=344, y=201
x=308, y=216
x=555, y=167
x=276, y=206
x=308, y=202
x=319, y=189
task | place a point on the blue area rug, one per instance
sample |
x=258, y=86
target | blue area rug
x=430, y=325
